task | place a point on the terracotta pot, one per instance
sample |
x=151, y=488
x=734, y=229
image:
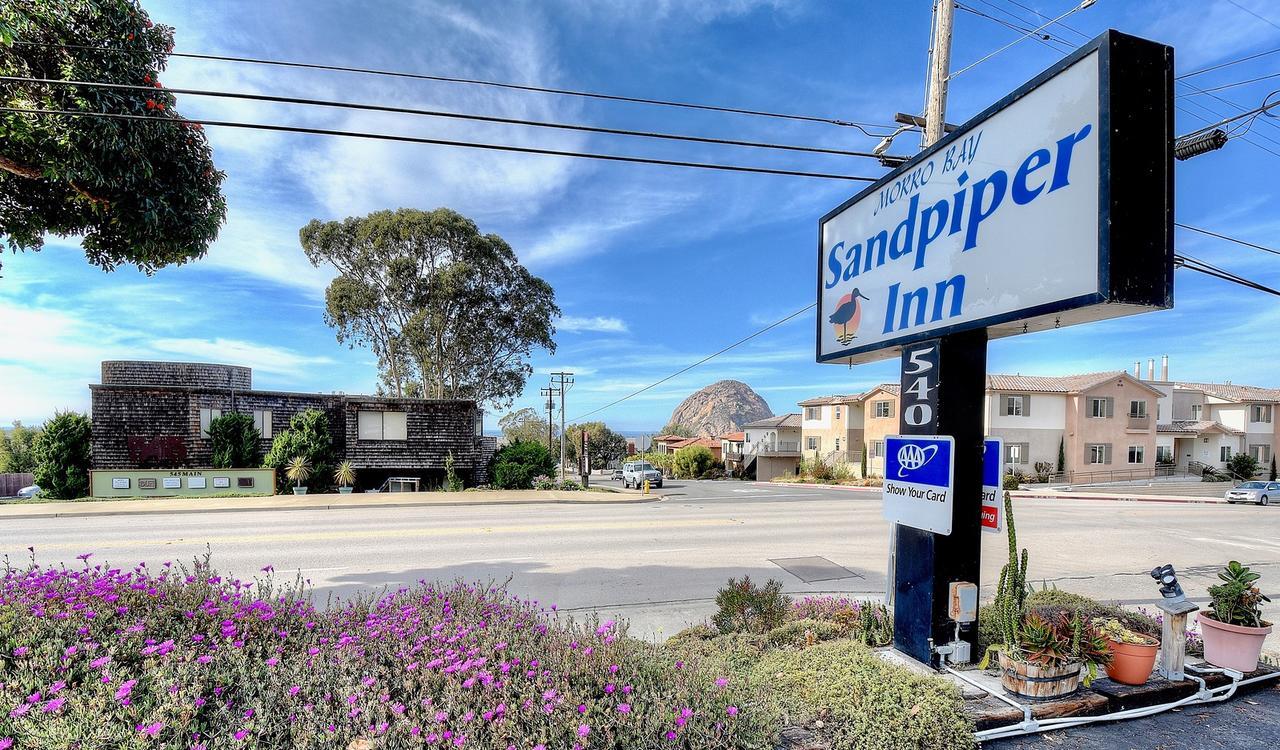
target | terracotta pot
x=1235, y=647
x=1131, y=663
x=1034, y=682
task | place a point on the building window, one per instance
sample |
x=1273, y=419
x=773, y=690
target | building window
x=877, y=449
x=1260, y=413
x=814, y=443
x=1224, y=453
x=837, y=445
x=1013, y=406
x=838, y=413
x=1016, y=453
x=1196, y=409
x=1260, y=452
x=812, y=412
x=1164, y=454
x=1136, y=454
x=1137, y=408
x=381, y=425
x=884, y=409
x=1157, y=411
x=1101, y=408
x=262, y=422
x=1098, y=453
x=206, y=417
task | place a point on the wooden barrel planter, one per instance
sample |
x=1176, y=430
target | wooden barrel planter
x=1034, y=682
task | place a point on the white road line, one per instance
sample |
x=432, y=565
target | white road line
x=680, y=549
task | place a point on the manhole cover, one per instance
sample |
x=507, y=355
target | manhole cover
x=811, y=569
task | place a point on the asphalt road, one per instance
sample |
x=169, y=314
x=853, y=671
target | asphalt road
x=659, y=564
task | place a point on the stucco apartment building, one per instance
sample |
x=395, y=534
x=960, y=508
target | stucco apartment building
x=156, y=415
x=1204, y=424
x=771, y=447
x=1102, y=423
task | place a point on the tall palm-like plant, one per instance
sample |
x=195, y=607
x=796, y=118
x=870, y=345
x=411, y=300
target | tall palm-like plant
x=298, y=470
x=345, y=474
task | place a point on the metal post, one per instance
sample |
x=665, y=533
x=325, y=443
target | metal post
x=562, y=380
x=551, y=405
x=949, y=400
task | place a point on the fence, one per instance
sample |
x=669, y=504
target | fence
x=11, y=483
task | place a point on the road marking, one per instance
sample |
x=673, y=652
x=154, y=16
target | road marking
x=1265, y=546
x=349, y=535
x=679, y=549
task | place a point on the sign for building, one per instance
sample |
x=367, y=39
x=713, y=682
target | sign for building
x=1052, y=207
x=919, y=474
x=176, y=482
x=992, y=473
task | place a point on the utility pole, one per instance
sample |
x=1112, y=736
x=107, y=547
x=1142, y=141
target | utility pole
x=942, y=388
x=562, y=381
x=551, y=405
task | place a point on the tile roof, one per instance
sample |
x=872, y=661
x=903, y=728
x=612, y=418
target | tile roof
x=783, y=420
x=1194, y=427
x=1056, y=384
x=890, y=388
x=825, y=400
x=1232, y=392
x=734, y=437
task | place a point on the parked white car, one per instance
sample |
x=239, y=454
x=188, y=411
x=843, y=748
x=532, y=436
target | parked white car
x=1260, y=493
x=634, y=473
x=28, y=492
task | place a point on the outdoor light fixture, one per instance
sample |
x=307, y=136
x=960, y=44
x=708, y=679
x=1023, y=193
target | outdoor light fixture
x=1200, y=143
x=1168, y=578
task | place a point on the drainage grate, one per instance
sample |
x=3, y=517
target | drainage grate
x=812, y=569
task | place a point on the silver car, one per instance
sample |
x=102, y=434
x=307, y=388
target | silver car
x=1260, y=493
x=634, y=473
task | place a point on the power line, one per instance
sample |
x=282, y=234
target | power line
x=704, y=360
x=1061, y=23
x=493, y=84
x=441, y=113
x=1044, y=37
x=1236, y=240
x=1267, y=21
x=1265, y=108
x=442, y=142
x=1231, y=85
x=1081, y=6
x=1195, y=264
x=1228, y=63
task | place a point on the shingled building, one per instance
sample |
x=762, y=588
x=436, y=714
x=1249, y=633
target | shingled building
x=155, y=415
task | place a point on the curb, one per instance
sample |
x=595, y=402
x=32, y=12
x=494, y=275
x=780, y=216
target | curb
x=277, y=508
x=1025, y=495
x=806, y=485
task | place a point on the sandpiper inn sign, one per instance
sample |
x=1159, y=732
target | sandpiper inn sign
x=1052, y=207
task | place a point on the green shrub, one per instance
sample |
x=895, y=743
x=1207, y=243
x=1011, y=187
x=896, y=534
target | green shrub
x=545, y=483
x=1243, y=466
x=1048, y=601
x=1013, y=480
x=307, y=436
x=692, y=462
x=17, y=449
x=234, y=440
x=746, y=608
x=62, y=456
x=803, y=633
x=864, y=702
x=515, y=465
x=569, y=485
x=452, y=482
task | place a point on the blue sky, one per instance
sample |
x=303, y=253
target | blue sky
x=654, y=267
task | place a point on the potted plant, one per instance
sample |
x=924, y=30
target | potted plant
x=1232, y=627
x=1133, y=654
x=298, y=470
x=345, y=476
x=1041, y=657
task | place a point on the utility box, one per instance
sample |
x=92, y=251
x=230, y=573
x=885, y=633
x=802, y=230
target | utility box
x=963, y=606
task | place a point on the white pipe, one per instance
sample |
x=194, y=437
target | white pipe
x=1204, y=695
x=1026, y=710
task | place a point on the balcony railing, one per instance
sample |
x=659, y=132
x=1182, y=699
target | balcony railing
x=1139, y=422
x=776, y=446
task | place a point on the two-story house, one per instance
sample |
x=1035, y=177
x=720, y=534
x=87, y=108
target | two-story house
x=879, y=418
x=771, y=446
x=831, y=428
x=1210, y=422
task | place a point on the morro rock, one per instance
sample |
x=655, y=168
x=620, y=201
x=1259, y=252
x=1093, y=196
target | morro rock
x=720, y=408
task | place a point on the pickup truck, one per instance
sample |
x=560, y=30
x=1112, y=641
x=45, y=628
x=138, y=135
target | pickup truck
x=635, y=472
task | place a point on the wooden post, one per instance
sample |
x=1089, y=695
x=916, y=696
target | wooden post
x=1173, y=638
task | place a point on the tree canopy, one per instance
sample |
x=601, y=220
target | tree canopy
x=604, y=446
x=439, y=303
x=524, y=425
x=139, y=192
x=62, y=456
x=17, y=449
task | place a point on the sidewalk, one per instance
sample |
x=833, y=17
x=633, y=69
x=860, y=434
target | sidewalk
x=1117, y=494
x=172, y=505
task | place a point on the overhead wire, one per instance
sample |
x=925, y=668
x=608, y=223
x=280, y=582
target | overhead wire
x=1265, y=20
x=702, y=361
x=1228, y=63
x=442, y=142
x=1238, y=241
x=1231, y=85
x=1078, y=7
x=862, y=126
x=248, y=96
x=1183, y=260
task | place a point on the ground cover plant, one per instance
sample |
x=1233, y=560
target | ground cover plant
x=185, y=658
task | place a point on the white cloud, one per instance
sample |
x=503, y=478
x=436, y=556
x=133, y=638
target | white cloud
x=599, y=324
x=279, y=361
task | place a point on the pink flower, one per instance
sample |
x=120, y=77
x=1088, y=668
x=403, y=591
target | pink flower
x=151, y=730
x=722, y=681
x=583, y=730
x=21, y=651
x=21, y=710
x=6, y=743
x=732, y=710
x=241, y=735
x=624, y=708
x=53, y=706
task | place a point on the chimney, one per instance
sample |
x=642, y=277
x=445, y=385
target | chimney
x=1164, y=368
x=1137, y=369
x=1151, y=369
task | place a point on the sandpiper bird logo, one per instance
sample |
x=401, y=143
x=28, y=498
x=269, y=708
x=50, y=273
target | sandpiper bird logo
x=847, y=316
